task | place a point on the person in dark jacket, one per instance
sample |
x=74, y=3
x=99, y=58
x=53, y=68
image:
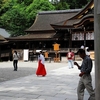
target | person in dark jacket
x=85, y=76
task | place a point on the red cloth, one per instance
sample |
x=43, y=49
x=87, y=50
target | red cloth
x=41, y=69
x=70, y=55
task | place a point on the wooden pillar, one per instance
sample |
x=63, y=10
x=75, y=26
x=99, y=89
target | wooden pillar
x=84, y=37
x=97, y=47
x=17, y=45
x=29, y=45
x=70, y=39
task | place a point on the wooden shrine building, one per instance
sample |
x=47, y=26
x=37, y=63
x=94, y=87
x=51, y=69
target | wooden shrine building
x=69, y=28
x=41, y=34
x=79, y=29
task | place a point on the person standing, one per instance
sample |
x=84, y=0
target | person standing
x=85, y=76
x=15, y=60
x=41, y=67
x=70, y=57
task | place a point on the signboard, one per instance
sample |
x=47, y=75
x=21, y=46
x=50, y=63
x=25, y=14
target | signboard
x=26, y=54
x=56, y=46
x=38, y=51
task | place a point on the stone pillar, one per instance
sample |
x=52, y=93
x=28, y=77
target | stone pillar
x=97, y=47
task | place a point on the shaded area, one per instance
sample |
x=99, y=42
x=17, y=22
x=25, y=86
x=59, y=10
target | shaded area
x=8, y=73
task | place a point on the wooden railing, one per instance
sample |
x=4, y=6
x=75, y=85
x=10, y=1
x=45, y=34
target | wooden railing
x=61, y=49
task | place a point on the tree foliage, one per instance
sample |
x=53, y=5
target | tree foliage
x=76, y=3
x=18, y=15
x=71, y=4
x=62, y=6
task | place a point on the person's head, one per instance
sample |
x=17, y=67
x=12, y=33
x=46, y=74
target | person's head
x=88, y=50
x=15, y=52
x=81, y=53
x=40, y=52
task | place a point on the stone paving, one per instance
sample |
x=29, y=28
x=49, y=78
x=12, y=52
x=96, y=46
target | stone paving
x=59, y=84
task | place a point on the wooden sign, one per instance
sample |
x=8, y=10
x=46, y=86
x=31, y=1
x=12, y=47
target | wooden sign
x=56, y=46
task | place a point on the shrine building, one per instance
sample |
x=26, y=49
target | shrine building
x=69, y=28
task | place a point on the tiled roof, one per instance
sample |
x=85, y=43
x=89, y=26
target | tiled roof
x=45, y=18
x=4, y=33
x=75, y=19
x=33, y=36
x=70, y=22
x=83, y=10
x=85, y=17
x=2, y=38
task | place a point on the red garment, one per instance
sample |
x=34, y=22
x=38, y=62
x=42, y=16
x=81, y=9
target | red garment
x=70, y=55
x=41, y=69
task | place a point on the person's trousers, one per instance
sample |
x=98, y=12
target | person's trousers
x=70, y=63
x=85, y=82
x=15, y=64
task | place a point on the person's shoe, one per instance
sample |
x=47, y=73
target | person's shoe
x=15, y=69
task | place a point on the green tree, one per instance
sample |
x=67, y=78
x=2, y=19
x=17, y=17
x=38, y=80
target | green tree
x=73, y=4
x=19, y=16
x=35, y=7
x=14, y=20
x=25, y=2
x=4, y=6
x=54, y=1
x=77, y=3
x=62, y=6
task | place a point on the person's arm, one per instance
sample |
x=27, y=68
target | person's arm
x=38, y=57
x=13, y=55
x=81, y=74
x=73, y=56
x=79, y=67
x=75, y=63
x=18, y=55
x=42, y=59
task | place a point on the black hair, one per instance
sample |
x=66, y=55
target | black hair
x=15, y=52
x=41, y=52
x=70, y=50
x=81, y=51
x=87, y=49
